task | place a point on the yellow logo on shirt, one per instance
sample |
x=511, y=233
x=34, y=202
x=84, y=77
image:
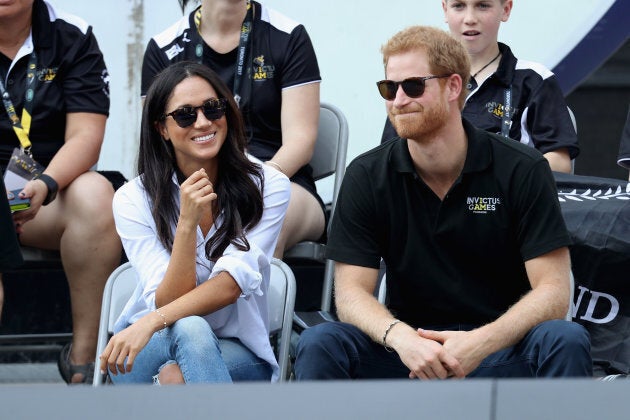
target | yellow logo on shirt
x=483, y=204
x=47, y=75
x=497, y=108
x=261, y=71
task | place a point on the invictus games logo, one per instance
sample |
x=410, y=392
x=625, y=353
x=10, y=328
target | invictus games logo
x=262, y=71
x=47, y=75
x=496, y=109
x=482, y=205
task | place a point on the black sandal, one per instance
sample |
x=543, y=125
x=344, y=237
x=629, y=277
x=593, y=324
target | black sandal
x=68, y=370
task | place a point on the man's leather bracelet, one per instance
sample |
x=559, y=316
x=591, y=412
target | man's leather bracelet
x=52, y=186
x=384, y=340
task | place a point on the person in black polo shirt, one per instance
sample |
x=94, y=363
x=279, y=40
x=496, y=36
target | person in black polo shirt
x=55, y=91
x=277, y=89
x=539, y=115
x=470, y=229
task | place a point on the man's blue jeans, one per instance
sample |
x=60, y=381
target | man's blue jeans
x=201, y=356
x=337, y=350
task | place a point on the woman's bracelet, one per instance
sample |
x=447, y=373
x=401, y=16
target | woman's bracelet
x=275, y=165
x=387, y=330
x=163, y=317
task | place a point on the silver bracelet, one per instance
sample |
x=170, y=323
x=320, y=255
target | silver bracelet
x=163, y=317
x=389, y=327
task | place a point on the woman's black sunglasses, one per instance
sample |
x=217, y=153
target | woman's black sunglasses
x=413, y=86
x=185, y=116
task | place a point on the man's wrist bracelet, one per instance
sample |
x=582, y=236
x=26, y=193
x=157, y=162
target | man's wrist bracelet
x=387, y=330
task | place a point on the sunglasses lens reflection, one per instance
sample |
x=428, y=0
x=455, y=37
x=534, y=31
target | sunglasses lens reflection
x=413, y=87
x=187, y=115
x=184, y=116
x=213, y=110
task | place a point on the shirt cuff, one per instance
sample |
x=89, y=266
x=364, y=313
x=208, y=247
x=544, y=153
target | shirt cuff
x=624, y=163
x=245, y=269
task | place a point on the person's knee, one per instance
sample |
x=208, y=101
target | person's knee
x=170, y=374
x=327, y=351
x=90, y=194
x=564, y=349
x=569, y=337
x=319, y=339
x=194, y=334
x=304, y=219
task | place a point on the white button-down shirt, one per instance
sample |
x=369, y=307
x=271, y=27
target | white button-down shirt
x=247, y=318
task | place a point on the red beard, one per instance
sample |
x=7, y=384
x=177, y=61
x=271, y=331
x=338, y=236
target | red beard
x=419, y=121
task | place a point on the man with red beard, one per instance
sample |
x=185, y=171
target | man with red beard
x=470, y=229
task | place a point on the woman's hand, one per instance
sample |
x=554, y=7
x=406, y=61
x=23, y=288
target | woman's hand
x=35, y=190
x=196, y=196
x=128, y=343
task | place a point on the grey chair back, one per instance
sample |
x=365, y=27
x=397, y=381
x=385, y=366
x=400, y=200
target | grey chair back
x=329, y=158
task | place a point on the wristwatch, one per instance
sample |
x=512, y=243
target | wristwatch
x=52, y=186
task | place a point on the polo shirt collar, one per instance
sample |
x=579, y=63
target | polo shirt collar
x=507, y=66
x=400, y=157
x=478, y=155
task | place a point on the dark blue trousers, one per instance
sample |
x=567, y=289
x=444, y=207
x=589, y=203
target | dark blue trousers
x=337, y=350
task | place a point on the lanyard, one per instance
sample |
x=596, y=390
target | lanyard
x=506, y=120
x=243, y=44
x=22, y=126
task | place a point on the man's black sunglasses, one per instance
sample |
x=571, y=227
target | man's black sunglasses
x=212, y=109
x=413, y=86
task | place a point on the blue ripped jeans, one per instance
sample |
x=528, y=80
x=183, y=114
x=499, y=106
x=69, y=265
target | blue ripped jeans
x=201, y=356
x=336, y=350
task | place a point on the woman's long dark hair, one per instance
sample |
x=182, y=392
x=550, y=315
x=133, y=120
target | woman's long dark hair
x=239, y=196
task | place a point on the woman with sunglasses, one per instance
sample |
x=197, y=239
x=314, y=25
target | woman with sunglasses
x=199, y=224
x=277, y=90
x=538, y=115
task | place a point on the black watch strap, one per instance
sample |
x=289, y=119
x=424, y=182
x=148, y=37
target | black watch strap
x=52, y=188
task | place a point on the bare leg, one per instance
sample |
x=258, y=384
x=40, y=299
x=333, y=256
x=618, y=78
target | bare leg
x=171, y=374
x=304, y=220
x=80, y=224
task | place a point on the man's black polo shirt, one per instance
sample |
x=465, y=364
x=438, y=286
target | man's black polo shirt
x=460, y=260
